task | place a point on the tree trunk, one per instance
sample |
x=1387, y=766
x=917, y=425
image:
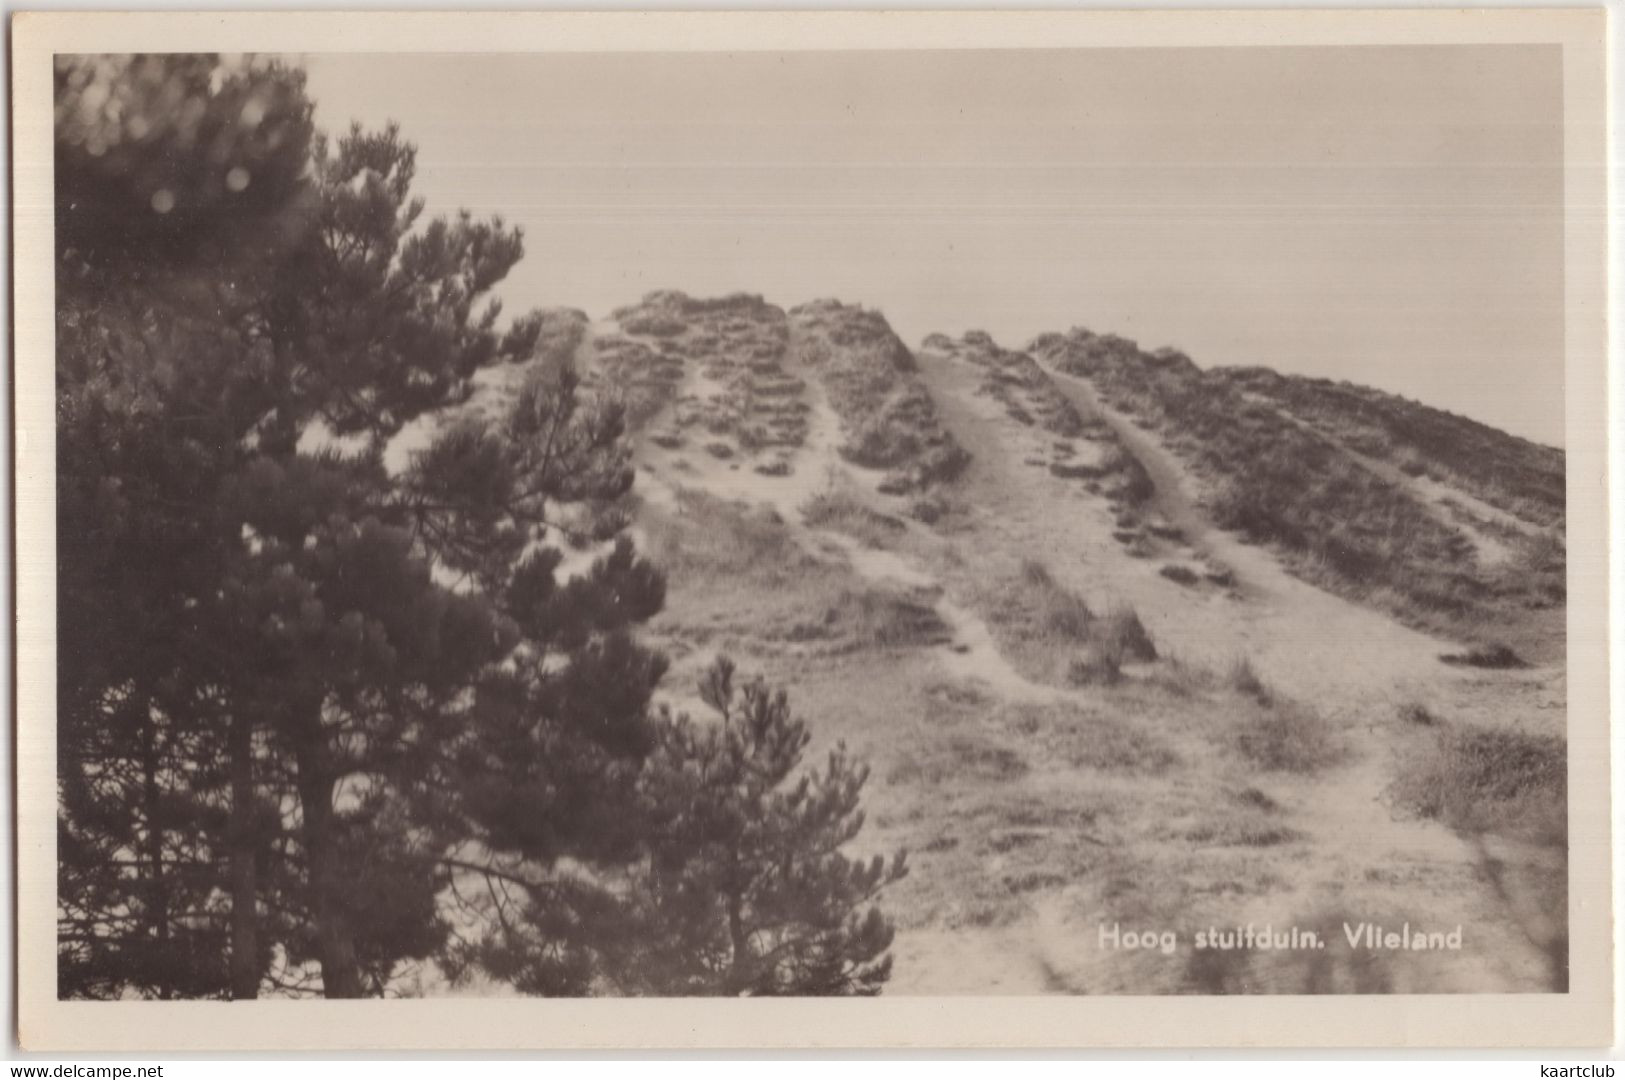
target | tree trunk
x=152, y=795
x=740, y=975
x=245, y=953
x=335, y=946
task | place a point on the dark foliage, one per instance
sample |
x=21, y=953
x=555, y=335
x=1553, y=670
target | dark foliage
x=1498, y=655
x=1282, y=483
x=272, y=656
x=739, y=886
x=305, y=697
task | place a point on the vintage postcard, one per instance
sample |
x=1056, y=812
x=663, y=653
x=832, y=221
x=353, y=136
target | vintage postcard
x=811, y=530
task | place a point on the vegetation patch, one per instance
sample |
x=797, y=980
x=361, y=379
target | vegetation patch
x=1242, y=832
x=1510, y=473
x=1256, y=799
x=841, y=511
x=1485, y=656
x=1098, y=665
x=1287, y=737
x=880, y=619
x=1414, y=712
x=888, y=420
x=958, y=760
x=1051, y=633
x=558, y=333
x=712, y=539
x=646, y=379
x=1479, y=780
x=1125, y=633
x=1179, y=575
x=1062, y=612
x=1278, y=482
x=1113, y=745
x=1244, y=679
x=735, y=346
x=1015, y=380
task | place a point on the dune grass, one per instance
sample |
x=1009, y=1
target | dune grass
x=1053, y=635
x=1244, y=679
x=1336, y=523
x=875, y=618
x=1490, y=780
x=1062, y=612
x=1285, y=736
x=1496, y=655
x=1508, y=472
x=1414, y=712
x=839, y=510
x=888, y=420
x=1180, y=575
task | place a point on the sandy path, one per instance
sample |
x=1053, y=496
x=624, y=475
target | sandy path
x=816, y=466
x=1354, y=665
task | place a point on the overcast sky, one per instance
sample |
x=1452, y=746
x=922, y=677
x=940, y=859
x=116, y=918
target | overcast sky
x=1392, y=216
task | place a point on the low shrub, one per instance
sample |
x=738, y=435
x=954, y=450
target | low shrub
x=712, y=539
x=1244, y=679
x=1242, y=834
x=1256, y=799
x=1100, y=665
x=1063, y=613
x=839, y=510
x=876, y=619
x=1286, y=737
x=928, y=510
x=1180, y=575
x=654, y=325
x=1485, y=656
x=1414, y=712
x=1477, y=779
x=1124, y=633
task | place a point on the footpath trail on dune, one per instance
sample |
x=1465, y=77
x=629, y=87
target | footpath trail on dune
x=1038, y=805
x=1040, y=809
x=818, y=466
x=1352, y=664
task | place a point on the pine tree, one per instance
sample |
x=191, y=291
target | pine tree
x=305, y=701
x=301, y=648
x=739, y=887
x=157, y=240
x=378, y=607
x=745, y=871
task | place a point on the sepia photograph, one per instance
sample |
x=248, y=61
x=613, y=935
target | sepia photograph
x=967, y=524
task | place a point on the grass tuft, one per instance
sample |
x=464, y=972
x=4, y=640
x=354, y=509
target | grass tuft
x=1479, y=780
x=1244, y=679
x=1179, y=575
x=840, y=511
x=1498, y=655
x=1286, y=737
x=1100, y=665
x=1063, y=614
x=1126, y=634
x=1414, y=712
x=875, y=619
